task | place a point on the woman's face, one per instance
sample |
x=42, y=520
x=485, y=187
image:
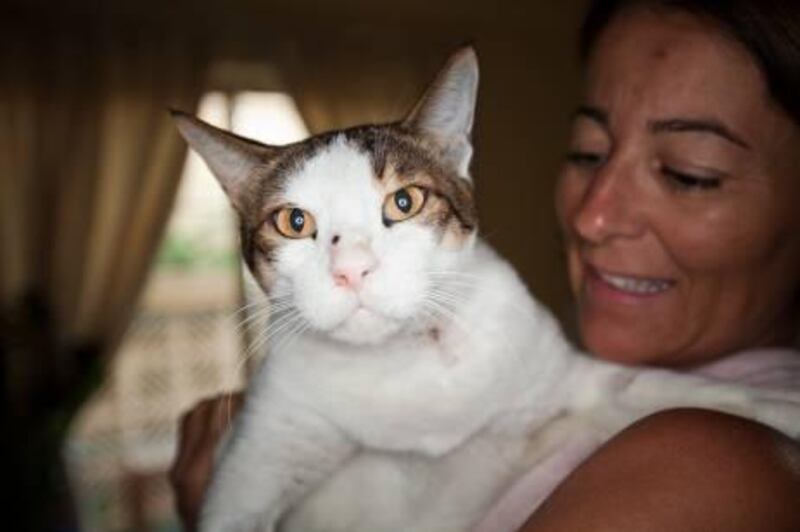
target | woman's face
x=680, y=197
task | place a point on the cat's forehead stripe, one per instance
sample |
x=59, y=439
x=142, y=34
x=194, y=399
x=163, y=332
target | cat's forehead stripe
x=387, y=144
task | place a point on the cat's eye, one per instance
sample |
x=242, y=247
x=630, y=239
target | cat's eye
x=403, y=204
x=293, y=222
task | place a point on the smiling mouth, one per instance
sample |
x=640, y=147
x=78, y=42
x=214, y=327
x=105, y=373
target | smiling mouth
x=640, y=286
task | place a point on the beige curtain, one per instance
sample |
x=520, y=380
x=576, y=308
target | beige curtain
x=343, y=83
x=89, y=166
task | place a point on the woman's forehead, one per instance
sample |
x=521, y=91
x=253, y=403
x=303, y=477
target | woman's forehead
x=649, y=66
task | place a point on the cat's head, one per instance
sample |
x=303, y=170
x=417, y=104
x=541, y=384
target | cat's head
x=358, y=232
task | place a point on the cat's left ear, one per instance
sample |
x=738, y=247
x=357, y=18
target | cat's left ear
x=446, y=111
x=230, y=158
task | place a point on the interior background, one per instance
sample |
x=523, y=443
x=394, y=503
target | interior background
x=529, y=82
x=344, y=61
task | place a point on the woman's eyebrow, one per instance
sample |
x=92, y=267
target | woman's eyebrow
x=703, y=125
x=592, y=113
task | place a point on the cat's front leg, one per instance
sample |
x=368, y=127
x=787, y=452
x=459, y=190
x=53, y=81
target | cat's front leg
x=616, y=396
x=277, y=453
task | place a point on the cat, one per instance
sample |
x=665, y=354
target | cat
x=411, y=376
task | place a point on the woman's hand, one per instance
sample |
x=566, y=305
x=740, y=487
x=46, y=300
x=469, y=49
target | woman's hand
x=200, y=431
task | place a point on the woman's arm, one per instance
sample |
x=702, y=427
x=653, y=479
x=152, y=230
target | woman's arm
x=200, y=430
x=681, y=470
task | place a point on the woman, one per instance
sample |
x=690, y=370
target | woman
x=677, y=202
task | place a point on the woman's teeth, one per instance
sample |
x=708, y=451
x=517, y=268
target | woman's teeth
x=636, y=285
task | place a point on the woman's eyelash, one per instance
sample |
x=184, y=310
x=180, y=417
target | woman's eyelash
x=681, y=180
x=584, y=158
x=690, y=181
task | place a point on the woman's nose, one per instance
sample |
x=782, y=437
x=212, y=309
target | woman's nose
x=610, y=207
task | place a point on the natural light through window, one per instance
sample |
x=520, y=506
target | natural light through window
x=202, y=223
x=269, y=117
x=187, y=342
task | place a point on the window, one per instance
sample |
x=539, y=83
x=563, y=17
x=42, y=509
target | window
x=186, y=342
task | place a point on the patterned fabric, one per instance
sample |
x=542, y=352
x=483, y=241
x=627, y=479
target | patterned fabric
x=767, y=368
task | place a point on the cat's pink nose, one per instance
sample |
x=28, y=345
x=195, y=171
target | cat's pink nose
x=350, y=277
x=351, y=265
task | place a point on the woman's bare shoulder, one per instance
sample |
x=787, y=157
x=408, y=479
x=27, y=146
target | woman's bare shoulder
x=683, y=469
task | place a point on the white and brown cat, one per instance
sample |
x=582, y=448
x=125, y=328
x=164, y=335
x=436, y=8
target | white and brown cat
x=411, y=376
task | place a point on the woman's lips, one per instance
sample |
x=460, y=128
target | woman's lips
x=630, y=285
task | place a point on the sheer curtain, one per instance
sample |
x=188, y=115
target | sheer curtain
x=89, y=166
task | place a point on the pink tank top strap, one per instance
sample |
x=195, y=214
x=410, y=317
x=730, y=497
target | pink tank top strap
x=768, y=368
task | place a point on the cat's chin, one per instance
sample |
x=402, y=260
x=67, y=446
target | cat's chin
x=365, y=327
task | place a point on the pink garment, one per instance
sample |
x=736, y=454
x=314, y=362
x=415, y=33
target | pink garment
x=768, y=368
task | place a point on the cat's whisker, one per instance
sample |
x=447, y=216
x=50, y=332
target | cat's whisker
x=272, y=328
x=297, y=330
x=268, y=305
x=450, y=314
x=464, y=287
x=446, y=295
x=260, y=303
x=279, y=306
x=453, y=273
x=281, y=300
x=513, y=304
x=464, y=284
x=450, y=300
x=286, y=321
x=280, y=319
x=281, y=296
x=248, y=306
x=253, y=317
x=447, y=313
x=453, y=276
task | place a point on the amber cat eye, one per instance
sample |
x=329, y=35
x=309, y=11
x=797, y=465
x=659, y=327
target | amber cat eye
x=404, y=203
x=293, y=222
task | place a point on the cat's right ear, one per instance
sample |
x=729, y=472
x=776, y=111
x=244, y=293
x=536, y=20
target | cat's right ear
x=230, y=158
x=446, y=111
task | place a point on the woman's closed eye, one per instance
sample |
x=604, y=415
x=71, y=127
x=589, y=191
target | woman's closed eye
x=690, y=181
x=585, y=158
x=679, y=179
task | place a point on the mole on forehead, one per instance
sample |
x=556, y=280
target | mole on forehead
x=660, y=52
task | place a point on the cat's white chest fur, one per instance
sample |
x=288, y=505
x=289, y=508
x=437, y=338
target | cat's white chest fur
x=420, y=426
x=427, y=391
